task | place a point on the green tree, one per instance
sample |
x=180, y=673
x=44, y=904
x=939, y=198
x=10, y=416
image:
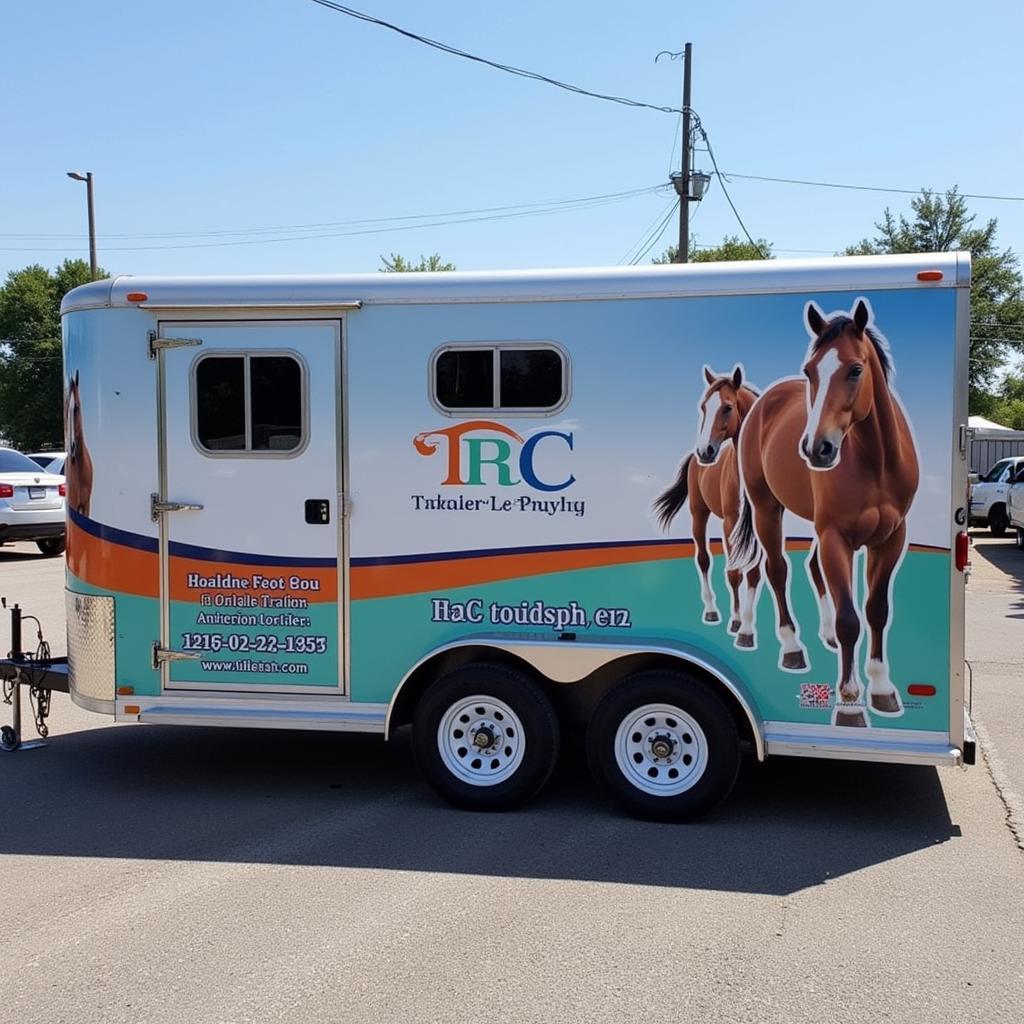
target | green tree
x=31, y=384
x=732, y=248
x=942, y=223
x=398, y=264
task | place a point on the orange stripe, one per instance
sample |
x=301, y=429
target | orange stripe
x=417, y=577
x=128, y=570
x=109, y=566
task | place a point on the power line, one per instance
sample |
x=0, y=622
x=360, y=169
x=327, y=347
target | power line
x=508, y=68
x=627, y=257
x=546, y=211
x=721, y=181
x=869, y=188
x=322, y=225
x=654, y=240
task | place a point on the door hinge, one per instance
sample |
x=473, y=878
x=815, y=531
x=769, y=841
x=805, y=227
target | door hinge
x=163, y=656
x=156, y=343
x=158, y=507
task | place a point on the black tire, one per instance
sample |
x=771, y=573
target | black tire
x=715, y=733
x=455, y=772
x=1020, y=539
x=997, y=520
x=51, y=546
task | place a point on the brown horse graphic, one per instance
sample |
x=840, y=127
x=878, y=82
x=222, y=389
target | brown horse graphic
x=78, y=467
x=711, y=481
x=834, y=448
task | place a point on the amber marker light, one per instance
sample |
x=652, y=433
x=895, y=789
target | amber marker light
x=142, y=296
x=929, y=275
x=125, y=691
x=132, y=709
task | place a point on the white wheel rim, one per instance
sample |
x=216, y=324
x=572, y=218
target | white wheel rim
x=481, y=740
x=661, y=749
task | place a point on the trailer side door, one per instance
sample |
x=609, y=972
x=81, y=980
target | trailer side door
x=250, y=505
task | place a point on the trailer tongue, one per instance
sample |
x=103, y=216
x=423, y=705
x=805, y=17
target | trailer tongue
x=37, y=671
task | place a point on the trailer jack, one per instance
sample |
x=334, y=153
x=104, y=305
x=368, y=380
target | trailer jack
x=37, y=671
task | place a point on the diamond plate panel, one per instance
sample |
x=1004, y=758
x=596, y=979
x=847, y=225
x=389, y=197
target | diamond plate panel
x=90, y=622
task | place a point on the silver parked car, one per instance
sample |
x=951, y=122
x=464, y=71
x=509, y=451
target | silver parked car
x=31, y=503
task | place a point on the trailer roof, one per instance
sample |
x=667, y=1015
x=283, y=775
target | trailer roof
x=847, y=273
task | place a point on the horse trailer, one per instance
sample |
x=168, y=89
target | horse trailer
x=678, y=508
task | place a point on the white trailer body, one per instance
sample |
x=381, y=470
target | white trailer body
x=464, y=499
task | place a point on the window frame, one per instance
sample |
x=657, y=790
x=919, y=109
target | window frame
x=248, y=452
x=496, y=348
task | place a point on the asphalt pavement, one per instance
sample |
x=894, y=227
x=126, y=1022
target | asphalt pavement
x=163, y=875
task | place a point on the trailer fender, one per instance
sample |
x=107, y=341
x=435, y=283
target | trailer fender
x=568, y=661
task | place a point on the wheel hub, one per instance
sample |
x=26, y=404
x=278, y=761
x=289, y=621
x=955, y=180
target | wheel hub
x=661, y=749
x=481, y=740
x=484, y=738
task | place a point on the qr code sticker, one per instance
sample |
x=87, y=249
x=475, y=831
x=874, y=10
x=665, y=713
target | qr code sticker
x=815, y=695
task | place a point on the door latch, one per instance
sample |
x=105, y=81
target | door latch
x=156, y=343
x=158, y=507
x=163, y=656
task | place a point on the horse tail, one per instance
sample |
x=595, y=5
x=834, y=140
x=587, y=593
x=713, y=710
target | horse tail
x=667, y=504
x=743, y=546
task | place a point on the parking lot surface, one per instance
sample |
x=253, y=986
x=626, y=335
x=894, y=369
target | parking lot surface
x=159, y=874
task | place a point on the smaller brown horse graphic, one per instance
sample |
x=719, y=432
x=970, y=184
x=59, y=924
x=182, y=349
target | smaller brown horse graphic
x=78, y=467
x=835, y=448
x=709, y=477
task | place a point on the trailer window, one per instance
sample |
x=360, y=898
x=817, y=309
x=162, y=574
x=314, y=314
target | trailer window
x=514, y=378
x=248, y=403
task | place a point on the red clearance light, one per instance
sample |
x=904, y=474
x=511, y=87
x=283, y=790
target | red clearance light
x=963, y=551
x=929, y=275
x=6, y=491
x=921, y=690
x=62, y=490
x=142, y=296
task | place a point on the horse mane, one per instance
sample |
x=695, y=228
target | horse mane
x=835, y=328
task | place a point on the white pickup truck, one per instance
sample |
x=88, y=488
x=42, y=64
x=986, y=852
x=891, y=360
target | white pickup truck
x=1015, y=502
x=989, y=495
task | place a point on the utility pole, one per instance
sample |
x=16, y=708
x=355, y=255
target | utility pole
x=683, y=181
x=87, y=178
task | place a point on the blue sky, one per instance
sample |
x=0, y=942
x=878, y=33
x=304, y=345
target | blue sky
x=215, y=117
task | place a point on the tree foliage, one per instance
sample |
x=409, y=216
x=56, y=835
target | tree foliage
x=31, y=384
x=1004, y=405
x=396, y=263
x=731, y=248
x=942, y=223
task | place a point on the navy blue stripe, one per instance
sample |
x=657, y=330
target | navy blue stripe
x=110, y=533
x=141, y=543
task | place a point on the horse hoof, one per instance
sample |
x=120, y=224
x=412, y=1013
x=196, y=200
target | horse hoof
x=745, y=640
x=734, y=626
x=794, y=661
x=711, y=616
x=850, y=717
x=886, y=704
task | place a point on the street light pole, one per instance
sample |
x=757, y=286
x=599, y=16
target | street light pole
x=87, y=178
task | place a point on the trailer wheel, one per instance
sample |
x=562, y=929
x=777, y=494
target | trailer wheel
x=51, y=546
x=8, y=737
x=663, y=746
x=485, y=737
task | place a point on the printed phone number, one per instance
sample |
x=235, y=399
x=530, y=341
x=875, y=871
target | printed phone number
x=259, y=644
